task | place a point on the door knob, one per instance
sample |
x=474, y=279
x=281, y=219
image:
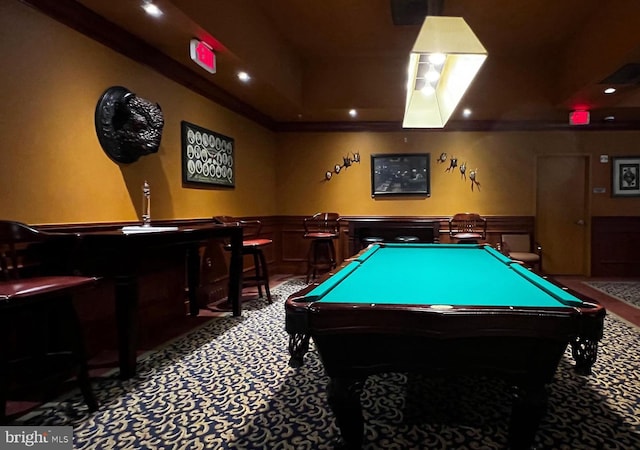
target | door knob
x=579, y=222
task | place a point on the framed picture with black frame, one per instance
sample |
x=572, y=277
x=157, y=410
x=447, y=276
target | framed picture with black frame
x=208, y=157
x=398, y=174
x=625, y=176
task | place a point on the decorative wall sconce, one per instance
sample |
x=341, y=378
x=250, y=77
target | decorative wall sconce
x=346, y=163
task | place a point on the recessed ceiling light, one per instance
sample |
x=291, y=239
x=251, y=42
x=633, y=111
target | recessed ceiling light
x=353, y=112
x=244, y=77
x=151, y=9
x=610, y=90
x=466, y=112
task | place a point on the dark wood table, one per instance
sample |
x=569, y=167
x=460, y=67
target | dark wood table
x=120, y=256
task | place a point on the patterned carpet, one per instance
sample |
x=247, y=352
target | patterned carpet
x=626, y=291
x=227, y=385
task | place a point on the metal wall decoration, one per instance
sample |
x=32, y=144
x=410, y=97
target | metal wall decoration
x=127, y=126
x=207, y=157
x=625, y=176
x=401, y=174
x=453, y=163
x=347, y=161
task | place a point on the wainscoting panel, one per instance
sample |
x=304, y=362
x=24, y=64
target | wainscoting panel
x=615, y=246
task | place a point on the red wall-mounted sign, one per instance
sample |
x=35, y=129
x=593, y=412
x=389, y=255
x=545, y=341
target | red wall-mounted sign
x=203, y=55
x=579, y=117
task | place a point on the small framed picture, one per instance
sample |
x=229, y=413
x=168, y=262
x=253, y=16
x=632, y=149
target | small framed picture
x=625, y=176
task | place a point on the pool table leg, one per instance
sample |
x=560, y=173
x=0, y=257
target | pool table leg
x=529, y=407
x=344, y=400
x=298, y=347
x=584, y=351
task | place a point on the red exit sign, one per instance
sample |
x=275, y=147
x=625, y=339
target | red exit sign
x=579, y=117
x=203, y=55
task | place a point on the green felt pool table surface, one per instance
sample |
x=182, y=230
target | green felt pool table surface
x=440, y=275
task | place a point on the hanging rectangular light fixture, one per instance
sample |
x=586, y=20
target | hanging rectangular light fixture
x=444, y=60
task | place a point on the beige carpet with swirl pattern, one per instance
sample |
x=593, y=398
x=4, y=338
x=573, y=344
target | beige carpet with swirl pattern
x=227, y=385
x=626, y=291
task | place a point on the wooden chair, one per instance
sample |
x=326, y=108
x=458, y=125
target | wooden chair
x=523, y=248
x=252, y=245
x=321, y=228
x=42, y=339
x=467, y=228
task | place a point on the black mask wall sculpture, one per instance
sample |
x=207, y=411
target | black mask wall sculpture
x=127, y=126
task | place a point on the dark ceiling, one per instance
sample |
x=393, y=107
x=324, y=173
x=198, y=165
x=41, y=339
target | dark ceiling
x=313, y=61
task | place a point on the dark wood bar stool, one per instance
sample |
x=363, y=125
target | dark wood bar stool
x=407, y=239
x=42, y=339
x=253, y=245
x=367, y=241
x=322, y=228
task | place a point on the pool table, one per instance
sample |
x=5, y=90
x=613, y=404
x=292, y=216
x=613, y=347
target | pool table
x=441, y=309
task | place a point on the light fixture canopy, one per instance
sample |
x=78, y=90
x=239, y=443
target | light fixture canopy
x=464, y=55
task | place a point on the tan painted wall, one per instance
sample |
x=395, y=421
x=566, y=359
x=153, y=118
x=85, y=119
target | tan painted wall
x=52, y=168
x=612, y=144
x=506, y=163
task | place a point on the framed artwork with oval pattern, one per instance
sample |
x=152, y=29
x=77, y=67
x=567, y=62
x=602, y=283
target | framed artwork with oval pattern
x=207, y=157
